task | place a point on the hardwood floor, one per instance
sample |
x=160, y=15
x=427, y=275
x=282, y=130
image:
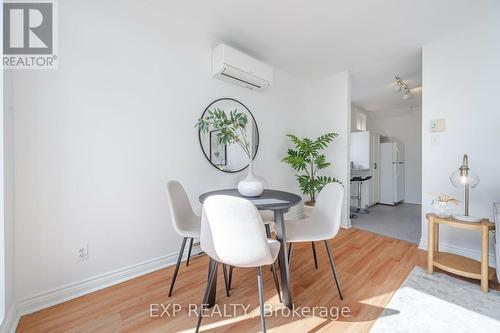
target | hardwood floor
x=371, y=268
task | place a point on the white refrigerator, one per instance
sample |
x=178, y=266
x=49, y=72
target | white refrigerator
x=392, y=173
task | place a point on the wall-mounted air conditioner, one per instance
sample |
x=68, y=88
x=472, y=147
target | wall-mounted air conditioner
x=233, y=66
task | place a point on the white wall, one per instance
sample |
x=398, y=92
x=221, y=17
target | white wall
x=461, y=77
x=97, y=139
x=3, y=248
x=404, y=125
x=8, y=204
x=7, y=302
x=329, y=109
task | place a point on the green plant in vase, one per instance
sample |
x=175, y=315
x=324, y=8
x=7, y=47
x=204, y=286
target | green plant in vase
x=307, y=159
x=232, y=130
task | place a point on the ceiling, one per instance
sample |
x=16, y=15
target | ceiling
x=374, y=39
x=372, y=86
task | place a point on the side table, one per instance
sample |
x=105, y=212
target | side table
x=458, y=264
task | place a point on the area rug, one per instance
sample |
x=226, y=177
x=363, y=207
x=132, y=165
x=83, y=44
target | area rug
x=439, y=303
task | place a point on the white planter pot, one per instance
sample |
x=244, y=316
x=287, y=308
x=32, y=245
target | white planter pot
x=308, y=210
x=250, y=186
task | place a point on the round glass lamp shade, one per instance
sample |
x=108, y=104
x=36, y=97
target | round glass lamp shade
x=458, y=179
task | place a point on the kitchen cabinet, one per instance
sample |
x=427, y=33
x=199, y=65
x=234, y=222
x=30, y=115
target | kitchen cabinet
x=360, y=149
x=365, y=155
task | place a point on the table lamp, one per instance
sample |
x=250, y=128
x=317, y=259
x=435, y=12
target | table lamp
x=466, y=179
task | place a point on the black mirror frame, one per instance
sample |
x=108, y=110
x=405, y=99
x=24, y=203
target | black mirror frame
x=256, y=127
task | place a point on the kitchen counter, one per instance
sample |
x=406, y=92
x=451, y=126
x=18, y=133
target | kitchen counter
x=360, y=172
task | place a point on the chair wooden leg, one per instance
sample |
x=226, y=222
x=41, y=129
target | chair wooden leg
x=179, y=258
x=332, y=265
x=226, y=279
x=261, y=299
x=314, y=254
x=189, y=250
x=276, y=282
x=212, y=269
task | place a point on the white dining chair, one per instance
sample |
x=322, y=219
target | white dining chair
x=322, y=225
x=233, y=233
x=186, y=223
x=268, y=217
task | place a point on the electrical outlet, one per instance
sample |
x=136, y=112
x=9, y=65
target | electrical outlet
x=83, y=253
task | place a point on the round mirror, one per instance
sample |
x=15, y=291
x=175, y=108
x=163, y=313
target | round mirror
x=229, y=157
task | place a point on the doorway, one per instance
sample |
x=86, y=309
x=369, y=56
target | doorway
x=386, y=156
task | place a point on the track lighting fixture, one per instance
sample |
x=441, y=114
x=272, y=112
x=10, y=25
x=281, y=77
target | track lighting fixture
x=401, y=87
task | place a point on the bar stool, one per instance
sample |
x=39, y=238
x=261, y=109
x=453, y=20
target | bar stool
x=358, y=209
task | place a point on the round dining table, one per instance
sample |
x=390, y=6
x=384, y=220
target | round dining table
x=279, y=202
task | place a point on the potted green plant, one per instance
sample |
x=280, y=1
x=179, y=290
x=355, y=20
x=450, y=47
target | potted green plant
x=231, y=129
x=307, y=159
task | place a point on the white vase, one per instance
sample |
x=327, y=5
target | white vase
x=251, y=185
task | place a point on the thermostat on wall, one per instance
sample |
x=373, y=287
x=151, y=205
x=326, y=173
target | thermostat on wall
x=438, y=125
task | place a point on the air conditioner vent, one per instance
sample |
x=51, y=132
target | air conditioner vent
x=233, y=66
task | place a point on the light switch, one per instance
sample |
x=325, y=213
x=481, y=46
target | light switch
x=438, y=125
x=435, y=140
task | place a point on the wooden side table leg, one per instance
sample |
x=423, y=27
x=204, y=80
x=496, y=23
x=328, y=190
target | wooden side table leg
x=485, y=246
x=430, y=246
x=436, y=237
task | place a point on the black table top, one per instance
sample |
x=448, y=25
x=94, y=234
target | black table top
x=268, y=200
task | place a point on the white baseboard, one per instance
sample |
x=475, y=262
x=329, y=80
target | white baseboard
x=10, y=320
x=413, y=202
x=77, y=289
x=474, y=254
